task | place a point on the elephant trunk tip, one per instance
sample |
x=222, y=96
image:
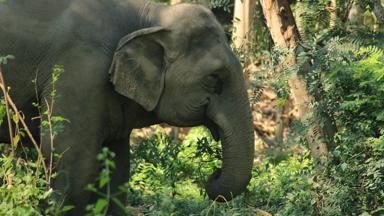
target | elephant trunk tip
x=221, y=192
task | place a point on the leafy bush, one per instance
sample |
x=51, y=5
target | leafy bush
x=167, y=175
x=24, y=189
x=357, y=92
x=25, y=175
x=284, y=188
x=353, y=181
x=167, y=179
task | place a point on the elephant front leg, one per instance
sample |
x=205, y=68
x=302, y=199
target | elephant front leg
x=82, y=95
x=120, y=175
x=71, y=148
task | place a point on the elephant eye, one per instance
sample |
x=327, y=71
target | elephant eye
x=214, y=84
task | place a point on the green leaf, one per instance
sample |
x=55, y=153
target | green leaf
x=16, y=139
x=47, y=193
x=4, y=59
x=100, y=205
x=344, y=166
x=68, y=208
x=103, y=181
x=15, y=119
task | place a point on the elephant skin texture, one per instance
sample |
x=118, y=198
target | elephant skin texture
x=128, y=64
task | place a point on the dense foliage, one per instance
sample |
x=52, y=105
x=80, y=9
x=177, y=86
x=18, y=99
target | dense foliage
x=353, y=181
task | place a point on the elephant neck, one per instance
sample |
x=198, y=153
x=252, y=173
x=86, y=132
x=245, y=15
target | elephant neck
x=132, y=15
x=124, y=115
x=135, y=116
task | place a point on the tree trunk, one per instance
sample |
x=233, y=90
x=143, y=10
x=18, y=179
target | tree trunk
x=355, y=15
x=280, y=22
x=281, y=121
x=242, y=35
x=243, y=17
x=332, y=13
x=284, y=32
x=378, y=10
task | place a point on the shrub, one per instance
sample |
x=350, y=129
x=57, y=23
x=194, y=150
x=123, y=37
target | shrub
x=24, y=189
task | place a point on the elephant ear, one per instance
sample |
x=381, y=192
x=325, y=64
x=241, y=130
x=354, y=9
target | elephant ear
x=138, y=67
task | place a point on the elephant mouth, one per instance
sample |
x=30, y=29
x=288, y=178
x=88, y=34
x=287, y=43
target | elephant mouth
x=214, y=129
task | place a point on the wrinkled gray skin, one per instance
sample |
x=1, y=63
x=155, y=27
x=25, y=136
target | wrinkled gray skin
x=128, y=64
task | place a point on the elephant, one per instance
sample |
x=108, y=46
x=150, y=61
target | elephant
x=128, y=64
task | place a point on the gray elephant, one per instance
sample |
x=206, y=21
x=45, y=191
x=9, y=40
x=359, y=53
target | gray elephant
x=128, y=64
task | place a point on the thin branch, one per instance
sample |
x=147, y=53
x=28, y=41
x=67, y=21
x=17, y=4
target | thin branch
x=10, y=102
x=10, y=128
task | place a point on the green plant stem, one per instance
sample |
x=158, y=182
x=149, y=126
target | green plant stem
x=51, y=137
x=108, y=196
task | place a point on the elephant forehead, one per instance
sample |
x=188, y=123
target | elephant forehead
x=190, y=10
x=201, y=37
x=190, y=16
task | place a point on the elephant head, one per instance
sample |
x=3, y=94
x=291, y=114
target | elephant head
x=182, y=69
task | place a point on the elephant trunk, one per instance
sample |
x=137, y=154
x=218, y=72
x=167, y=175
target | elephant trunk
x=235, y=129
